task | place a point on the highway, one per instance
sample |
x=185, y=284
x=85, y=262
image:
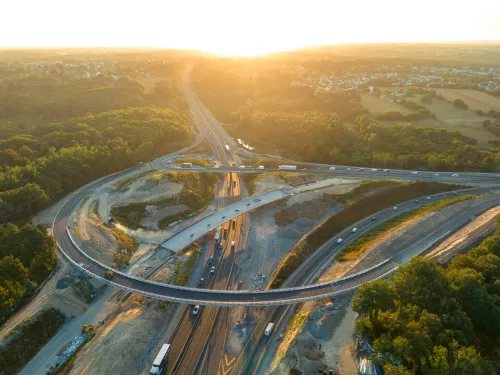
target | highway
x=70, y=249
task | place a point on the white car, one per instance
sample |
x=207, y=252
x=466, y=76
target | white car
x=331, y=168
x=436, y=174
x=414, y=172
x=216, y=166
x=354, y=230
x=196, y=310
x=428, y=198
x=212, y=270
x=374, y=169
x=386, y=170
x=340, y=240
x=395, y=208
x=454, y=175
x=348, y=169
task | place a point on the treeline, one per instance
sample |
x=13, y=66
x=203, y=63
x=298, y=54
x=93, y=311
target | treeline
x=322, y=138
x=55, y=158
x=27, y=256
x=234, y=90
x=55, y=96
x=428, y=319
x=264, y=106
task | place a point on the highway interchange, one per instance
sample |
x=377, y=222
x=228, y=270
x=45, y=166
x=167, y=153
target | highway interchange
x=192, y=348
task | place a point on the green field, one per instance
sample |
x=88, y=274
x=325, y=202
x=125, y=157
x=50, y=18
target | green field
x=448, y=117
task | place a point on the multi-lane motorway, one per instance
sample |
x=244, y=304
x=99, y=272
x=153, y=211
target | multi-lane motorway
x=199, y=338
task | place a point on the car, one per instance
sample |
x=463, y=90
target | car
x=361, y=169
x=210, y=260
x=208, y=224
x=216, y=166
x=248, y=204
x=374, y=169
x=237, y=210
x=436, y=174
x=191, y=235
x=196, y=310
x=223, y=217
x=454, y=193
x=414, y=172
x=386, y=170
x=304, y=169
x=333, y=168
x=81, y=264
x=340, y=240
x=374, y=218
x=212, y=270
x=454, y=175
x=354, y=230
x=428, y=198
x=417, y=201
x=256, y=200
x=395, y=208
x=348, y=169
x=202, y=281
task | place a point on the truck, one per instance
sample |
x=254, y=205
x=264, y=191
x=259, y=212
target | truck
x=161, y=360
x=87, y=328
x=110, y=274
x=287, y=167
x=260, y=167
x=225, y=232
x=227, y=148
x=234, y=184
x=187, y=165
x=233, y=244
x=217, y=236
x=269, y=329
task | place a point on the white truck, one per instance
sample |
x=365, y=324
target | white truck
x=227, y=148
x=269, y=329
x=260, y=167
x=217, y=236
x=161, y=360
x=187, y=165
x=287, y=168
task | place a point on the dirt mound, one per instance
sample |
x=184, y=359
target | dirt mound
x=65, y=281
x=290, y=232
x=312, y=367
x=323, y=328
x=309, y=350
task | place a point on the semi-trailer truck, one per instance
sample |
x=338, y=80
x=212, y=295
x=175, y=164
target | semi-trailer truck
x=161, y=360
x=287, y=167
x=187, y=165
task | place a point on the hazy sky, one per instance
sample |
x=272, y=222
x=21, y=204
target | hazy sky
x=243, y=27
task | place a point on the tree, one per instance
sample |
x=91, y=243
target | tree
x=373, y=297
x=459, y=103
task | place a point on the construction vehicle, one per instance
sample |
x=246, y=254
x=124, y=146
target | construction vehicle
x=87, y=328
x=110, y=274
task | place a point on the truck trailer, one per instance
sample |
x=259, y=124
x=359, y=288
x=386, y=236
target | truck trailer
x=287, y=167
x=161, y=360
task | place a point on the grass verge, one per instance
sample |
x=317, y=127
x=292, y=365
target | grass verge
x=183, y=270
x=364, y=188
x=359, y=246
x=28, y=338
x=194, y=161
x=126, y=182
x=349, y=215
x=128, y=247
x=202, y=149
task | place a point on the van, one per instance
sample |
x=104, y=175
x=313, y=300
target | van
x=269, y=329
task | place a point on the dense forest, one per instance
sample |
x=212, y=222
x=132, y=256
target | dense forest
x=63, y=125
x=429, y=319
x=262, y=104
